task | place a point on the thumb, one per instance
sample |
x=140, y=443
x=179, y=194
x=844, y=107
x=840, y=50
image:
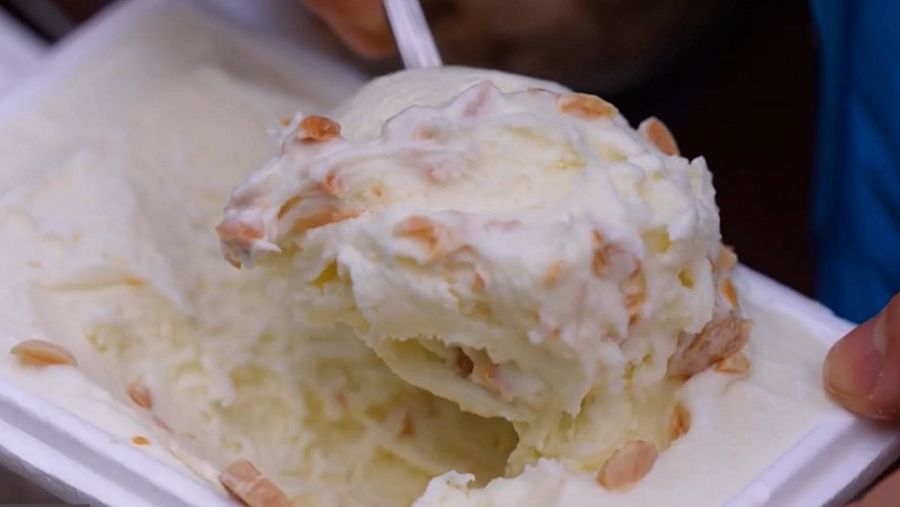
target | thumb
x=862, y=370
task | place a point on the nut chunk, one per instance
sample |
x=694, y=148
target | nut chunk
x=247, y=484
x=140, y=395
x=629, y=464
x=43, y=353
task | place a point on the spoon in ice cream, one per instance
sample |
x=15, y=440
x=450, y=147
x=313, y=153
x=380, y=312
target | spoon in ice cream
x=412, y=34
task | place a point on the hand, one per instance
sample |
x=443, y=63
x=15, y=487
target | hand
x=361, y=24
x=862, y=373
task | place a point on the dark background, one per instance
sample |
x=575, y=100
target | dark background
x=742, y=94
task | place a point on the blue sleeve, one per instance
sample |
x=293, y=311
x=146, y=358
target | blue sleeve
x=856, y=215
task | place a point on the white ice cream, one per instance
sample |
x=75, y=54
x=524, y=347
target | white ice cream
x=108, y=215
x=525, y=254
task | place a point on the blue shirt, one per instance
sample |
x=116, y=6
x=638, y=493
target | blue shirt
x=856, y=195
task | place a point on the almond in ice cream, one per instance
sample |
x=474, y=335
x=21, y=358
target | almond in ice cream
x=525, y=254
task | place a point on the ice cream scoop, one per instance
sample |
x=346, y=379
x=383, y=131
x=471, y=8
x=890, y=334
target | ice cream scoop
x=524, y=253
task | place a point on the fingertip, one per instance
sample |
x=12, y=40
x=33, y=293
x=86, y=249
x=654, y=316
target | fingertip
x=862, y=370
x=853, y=364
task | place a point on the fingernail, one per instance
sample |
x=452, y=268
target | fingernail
x=853, y=365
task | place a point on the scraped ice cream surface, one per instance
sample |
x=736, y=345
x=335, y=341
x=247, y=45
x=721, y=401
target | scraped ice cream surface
x=458, y=287
x=524, y=254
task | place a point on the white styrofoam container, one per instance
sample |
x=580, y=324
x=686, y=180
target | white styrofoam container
x=19, y=52
x=80, y=463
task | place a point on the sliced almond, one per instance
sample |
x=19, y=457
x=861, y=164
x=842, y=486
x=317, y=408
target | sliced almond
x=659, y=134
x=679, y=422
x=251, y=487
x=43, y=353
x=628, y=465
x=140, y=394
x=737, y=364
x=586, y=106
x=315, y=128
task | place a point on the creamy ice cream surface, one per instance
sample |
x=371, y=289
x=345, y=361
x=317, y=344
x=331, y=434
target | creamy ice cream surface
x=525, y=254
x=476, y=301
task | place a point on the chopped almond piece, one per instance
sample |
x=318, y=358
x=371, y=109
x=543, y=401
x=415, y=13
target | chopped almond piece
x=553, y=273
x=728, y=290
x=331, y=185
x=599, y=263
x=140, y=394
x=418, y=227
x=487, y=373
x=320, y=218
x=586, y=106
x=237, y=236
x=409, y=427
x=252, y=488
x=628, y=465
x=634, y=290
x=726, y=260
x=737, y=363
x=478, y=281
x=425, y=133
x=239, y=231
x=476, y=104
x=134, y=281
x=317, y=128
x=659, y=134
x=720, y=338
x=43, y=353
x=679, y=422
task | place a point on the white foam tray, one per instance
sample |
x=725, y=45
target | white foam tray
x=81, y=463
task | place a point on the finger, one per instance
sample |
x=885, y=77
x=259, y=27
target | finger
x=862, y=370
x=885, y=494
x=361, y=24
